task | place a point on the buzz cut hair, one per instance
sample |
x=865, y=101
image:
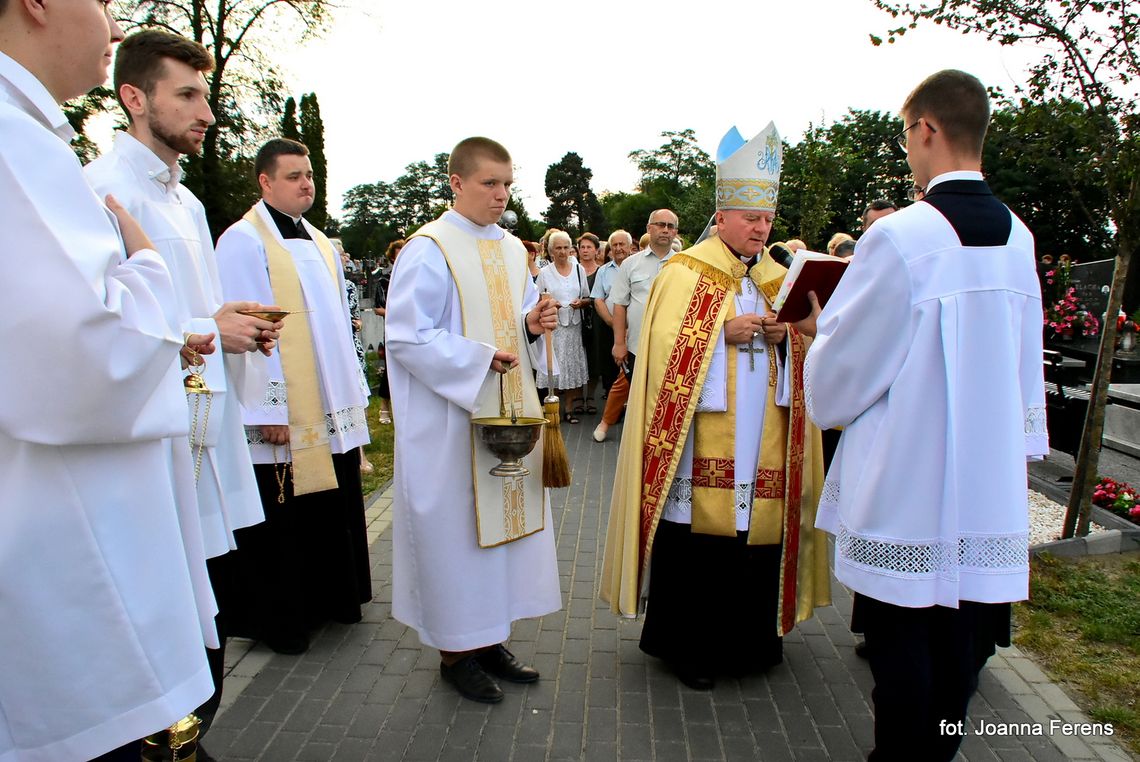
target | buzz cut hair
x=266, y=161
x=466, y=154
x=957, y=103
x=141, y=59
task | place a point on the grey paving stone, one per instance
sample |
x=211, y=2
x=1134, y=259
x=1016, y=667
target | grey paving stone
x=800, y=730
x=242, y=712
x=385, y=690
x=295, y=682
x=670, y=751
x=773, y=746
x=602, y=692
x=316, y=752
x=601, y=724
x=528, y=753
x=534, y=728
x=354, y=750
x=343, y=708
x=496, y=742
x=704, y=741
x=441, y=707
x=279, y=706
x=253, y=740
x=427, y=742
x=572, y=678
x=732, y=720
x=839, y=744
x=325, y=686
x=635, y=741
x=739, y=748
x=405, y=714
x=368, y=721
x=823, y=710
x=567, y=740
x=601, y=751
x=697, y=707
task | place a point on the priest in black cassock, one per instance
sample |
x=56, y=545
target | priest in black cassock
x=308, y=562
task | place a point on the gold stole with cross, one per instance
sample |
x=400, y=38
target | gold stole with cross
x=308, y=428
x=491, y=277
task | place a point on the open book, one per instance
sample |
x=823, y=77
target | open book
x=810, y=271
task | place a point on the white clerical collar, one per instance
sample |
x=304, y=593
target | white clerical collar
x=461, y=222
x=155, y=168
x=958, y=174
x=22, y=85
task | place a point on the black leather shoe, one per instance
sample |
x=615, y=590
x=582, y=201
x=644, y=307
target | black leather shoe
x=861, y=650
x=502, y=664
x=693, y=678
x=471, y=681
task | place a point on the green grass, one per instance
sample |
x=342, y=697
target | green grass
x=1082, y=623
x=379, y=450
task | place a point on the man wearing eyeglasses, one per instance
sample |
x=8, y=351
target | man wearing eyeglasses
x=630, y=289
x=927, y=495
x=629, y=293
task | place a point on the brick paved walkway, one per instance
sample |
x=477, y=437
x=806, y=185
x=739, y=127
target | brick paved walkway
x=370, y=692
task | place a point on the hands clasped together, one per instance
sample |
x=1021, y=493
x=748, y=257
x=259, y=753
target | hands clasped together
x=742, y=329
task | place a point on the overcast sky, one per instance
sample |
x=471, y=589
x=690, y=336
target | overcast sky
x=400, y=81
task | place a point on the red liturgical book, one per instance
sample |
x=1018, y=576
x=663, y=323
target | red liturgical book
x=810, y=271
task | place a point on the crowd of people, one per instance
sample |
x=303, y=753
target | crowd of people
x=189, y=469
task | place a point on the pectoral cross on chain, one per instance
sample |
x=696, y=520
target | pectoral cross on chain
x=752, y=351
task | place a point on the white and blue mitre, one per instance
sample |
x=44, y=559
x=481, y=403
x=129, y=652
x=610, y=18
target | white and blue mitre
x=748, y=174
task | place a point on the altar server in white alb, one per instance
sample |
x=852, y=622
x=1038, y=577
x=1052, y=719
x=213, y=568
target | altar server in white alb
x=472, y=552
x=102, y=630
x=160, y=84
x=929, y=355
x=308, y=562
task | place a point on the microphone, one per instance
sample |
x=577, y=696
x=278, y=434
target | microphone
x=509, y=220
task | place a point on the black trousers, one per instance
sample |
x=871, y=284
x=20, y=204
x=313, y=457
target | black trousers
x=712, y=602
x=926, y=663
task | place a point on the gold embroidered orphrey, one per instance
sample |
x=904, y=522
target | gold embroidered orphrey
x=312, y=469
x=491, y=277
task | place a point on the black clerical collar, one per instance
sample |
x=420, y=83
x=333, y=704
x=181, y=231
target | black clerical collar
x=286, y=225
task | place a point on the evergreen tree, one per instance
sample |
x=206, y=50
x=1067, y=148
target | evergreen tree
x=573, y=205
x=313, y=136
x=289, y=128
